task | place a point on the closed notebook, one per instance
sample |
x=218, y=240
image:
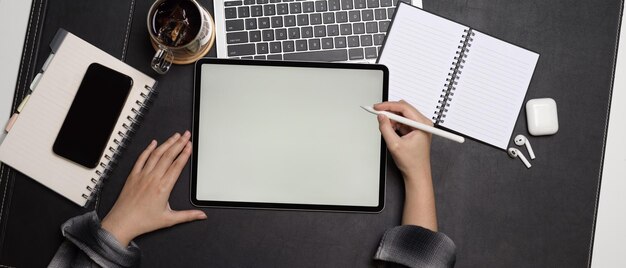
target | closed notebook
x=463, y=79
x=28, y=145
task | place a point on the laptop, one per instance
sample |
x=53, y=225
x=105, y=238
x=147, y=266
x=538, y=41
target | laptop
x=327, y=30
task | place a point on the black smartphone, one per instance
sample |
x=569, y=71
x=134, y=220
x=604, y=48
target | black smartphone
x=91, y=119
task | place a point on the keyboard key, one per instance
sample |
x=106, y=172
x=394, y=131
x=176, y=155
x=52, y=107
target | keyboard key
x=243, y=12
x=390, y=12
x=340, y=42
x=275, y=47
x=281, y=34
x=282, y=9
x=275, y=57
x=290, y=20
x=248, y=2
x=320, y=31
x=380, y=14
x=234, y=25
x=256, y=11
x=356, y=54
x=354, y=15
x=333, y=5
x=366, y=40
x=251, y=24
x=268, y=35
x=353, y=41
x=308, y=7
x=264, y=23
x=320, y=6
x=347, y=4
x=247, y=58
x=378, y=39
x=358, y=28
x=303, y=20
x=316, y=19
x=238, y=37
x=332, y=30
x=323, y=55
x=277, y=21
x=295, y=8
x=372, y=3
x=288, y=46
x=314, y=44
x=262, y=1
x=383, y=26
x=385, y=3
x=239, y=50
x=269, y=10
x=259, y=57
x=230, y=12
x=371, y=27
x=301, y=45
x=342, y=16
x=367, y=15
x=346, y=29
x=359, y=4
x=329, y=18
x=307, y=32
x=327, y=43
x=255, y=36
x=261, y=48
x=294, y=33
x=232, y=3
x=370, y=53
x=274, y=1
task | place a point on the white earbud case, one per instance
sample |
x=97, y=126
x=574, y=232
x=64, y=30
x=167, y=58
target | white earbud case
x=541, y=116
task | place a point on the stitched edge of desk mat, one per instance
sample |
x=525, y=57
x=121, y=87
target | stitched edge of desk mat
x=25, y=74
x=604, y=137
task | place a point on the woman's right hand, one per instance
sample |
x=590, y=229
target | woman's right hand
x=409, y=147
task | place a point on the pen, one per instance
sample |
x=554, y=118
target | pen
x=417, y=125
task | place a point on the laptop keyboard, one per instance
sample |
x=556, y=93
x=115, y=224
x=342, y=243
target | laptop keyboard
x=329, y=30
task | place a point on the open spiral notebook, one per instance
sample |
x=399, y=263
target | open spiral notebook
x=28, y=145
x=468, y=81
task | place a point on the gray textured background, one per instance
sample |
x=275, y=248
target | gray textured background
x=498, y=213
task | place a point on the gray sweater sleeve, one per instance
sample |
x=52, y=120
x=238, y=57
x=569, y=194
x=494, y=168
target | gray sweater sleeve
x=88, y=245
x=414, y=246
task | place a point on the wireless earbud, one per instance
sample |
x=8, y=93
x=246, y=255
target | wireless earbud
x=521, y=140
x=515, y=153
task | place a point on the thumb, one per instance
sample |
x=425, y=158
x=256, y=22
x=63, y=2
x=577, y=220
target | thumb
x=182, y=216
x=386, y=130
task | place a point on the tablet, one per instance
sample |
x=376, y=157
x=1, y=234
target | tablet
x=288, y=135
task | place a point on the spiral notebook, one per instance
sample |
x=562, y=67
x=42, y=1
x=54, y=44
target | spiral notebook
x=467, y=81
x=28, y=145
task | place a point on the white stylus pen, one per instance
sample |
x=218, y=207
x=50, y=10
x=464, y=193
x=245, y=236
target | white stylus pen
x=418, y=125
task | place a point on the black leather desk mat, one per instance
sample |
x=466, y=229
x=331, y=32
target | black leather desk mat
x=498, y=213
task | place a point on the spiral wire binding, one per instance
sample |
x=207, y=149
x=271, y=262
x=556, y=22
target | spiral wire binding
x=121, y=140
x=453, y=76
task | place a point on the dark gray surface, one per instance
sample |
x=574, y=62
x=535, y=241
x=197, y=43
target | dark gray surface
x=498, y=213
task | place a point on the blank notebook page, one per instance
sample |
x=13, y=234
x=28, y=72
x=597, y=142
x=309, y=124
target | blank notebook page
x=490, y=90
x=419, y=52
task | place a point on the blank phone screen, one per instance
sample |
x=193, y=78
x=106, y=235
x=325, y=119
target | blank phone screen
x=92, y=115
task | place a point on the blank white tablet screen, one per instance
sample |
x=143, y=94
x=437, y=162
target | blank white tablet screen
x=291, y=135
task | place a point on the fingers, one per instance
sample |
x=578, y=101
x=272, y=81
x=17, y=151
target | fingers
x=179, y=217
x=172, y=152
x=403, y=108
x=155, y=156
x=143, y=157
x=173, y=172
x=387, y=131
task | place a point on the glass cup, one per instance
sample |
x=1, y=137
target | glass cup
x=181, y=32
